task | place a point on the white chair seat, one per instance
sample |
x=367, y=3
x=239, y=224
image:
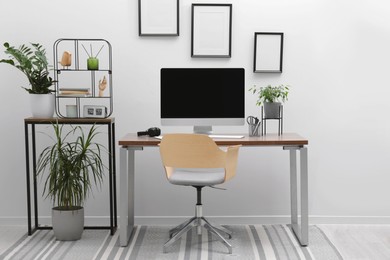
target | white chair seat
x=197, y=177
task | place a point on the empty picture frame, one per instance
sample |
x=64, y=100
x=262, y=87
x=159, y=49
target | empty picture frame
x=211, y=34
x=268, y=55
x=158, y=17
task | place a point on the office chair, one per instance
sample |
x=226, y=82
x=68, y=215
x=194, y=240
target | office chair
x=196, y=160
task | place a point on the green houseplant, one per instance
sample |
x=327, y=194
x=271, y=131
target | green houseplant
x=272, y=98
x=33, y=63
x=72, y=166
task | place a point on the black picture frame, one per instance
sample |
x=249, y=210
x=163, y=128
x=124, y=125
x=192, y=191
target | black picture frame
x=268, y=52
x=157, y=18
x=211, y=30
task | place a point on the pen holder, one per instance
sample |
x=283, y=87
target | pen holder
x=254, y=129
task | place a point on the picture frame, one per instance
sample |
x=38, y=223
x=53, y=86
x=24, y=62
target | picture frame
x=158, y=17
x=211, y=30
x=268, y=52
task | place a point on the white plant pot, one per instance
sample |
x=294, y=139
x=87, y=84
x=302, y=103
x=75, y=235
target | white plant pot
x=42, y=105
x=68, y=225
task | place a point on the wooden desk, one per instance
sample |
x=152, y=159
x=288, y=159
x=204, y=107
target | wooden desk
x=33, y=121
x=291, y=142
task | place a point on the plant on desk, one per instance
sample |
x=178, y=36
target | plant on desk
x=73, y=166
x=272, y=98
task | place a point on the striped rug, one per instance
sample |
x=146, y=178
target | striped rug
x=249, y=242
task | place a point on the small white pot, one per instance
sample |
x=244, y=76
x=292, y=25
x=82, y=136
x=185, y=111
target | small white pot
x=42, y=105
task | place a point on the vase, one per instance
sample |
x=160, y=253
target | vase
x=68, y=225
x=92, y=63
x=272, y=110
x=42, y=105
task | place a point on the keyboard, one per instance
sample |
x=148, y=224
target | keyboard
x=227, y=136
x=215, y=136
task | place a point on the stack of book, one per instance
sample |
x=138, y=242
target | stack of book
x=75, y=92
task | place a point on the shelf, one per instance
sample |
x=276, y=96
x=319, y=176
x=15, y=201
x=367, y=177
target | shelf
x=77, y=74
x=82, y=70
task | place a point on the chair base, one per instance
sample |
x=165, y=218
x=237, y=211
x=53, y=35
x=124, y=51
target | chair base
x=198, y=222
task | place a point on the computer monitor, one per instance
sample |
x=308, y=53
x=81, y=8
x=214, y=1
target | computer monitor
x=202, y=97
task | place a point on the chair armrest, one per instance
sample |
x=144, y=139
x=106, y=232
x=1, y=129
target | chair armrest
x=231, y=161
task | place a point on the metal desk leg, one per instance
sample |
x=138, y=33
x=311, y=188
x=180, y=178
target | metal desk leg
x=299, y=218
x=127, y=169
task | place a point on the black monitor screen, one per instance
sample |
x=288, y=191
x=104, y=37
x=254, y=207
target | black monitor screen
x=202, y=93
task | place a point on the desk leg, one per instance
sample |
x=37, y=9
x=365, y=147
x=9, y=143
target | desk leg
x=299, y=218
x=127, y=170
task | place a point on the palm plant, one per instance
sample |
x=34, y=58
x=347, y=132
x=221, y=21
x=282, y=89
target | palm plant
x=72, y=167
x=33, y=63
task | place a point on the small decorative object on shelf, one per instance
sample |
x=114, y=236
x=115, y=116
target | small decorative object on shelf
x=95, y=111
x=66, y=60
x=92, y=61
x=75, y=92
x=82, y=83
x=271, y=97
x=71, y=111
x=102, y=86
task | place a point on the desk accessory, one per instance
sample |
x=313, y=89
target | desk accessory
x=153, y=131
x=254, y=125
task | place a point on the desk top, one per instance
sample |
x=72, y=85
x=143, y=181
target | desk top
x=288, y=139
x=49, y=120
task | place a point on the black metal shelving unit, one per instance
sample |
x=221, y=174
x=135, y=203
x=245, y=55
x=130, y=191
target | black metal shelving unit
x=62, y=75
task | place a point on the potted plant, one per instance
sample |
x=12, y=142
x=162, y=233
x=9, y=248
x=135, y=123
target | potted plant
x=33, y=63
x=271, y=97
x=72, y=167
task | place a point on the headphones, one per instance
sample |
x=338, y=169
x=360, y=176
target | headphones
x=153, y=131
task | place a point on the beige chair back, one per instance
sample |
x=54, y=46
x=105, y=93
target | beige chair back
x=196, y=151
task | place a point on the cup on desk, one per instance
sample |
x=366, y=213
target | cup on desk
x=71, y=110
x=254, y=129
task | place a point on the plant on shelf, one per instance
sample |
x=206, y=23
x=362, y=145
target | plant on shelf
x=271, y=97
x=72, y=166
x=32, y=61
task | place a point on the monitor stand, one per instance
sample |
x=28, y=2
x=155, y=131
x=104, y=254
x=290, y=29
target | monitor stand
x=203, y=129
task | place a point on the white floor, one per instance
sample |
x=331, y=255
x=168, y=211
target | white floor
x=355, y=242
x=358, y=242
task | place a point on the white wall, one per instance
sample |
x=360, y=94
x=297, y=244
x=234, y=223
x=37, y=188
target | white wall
x=335, y=58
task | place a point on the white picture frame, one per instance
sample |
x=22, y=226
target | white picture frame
x=158, y=17
x=268, y=52
x=211, y=28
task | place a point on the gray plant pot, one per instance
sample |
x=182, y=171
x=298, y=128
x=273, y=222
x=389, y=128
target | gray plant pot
x=68, y=225
x=272, y=109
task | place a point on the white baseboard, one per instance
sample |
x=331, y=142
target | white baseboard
x=228, y=220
